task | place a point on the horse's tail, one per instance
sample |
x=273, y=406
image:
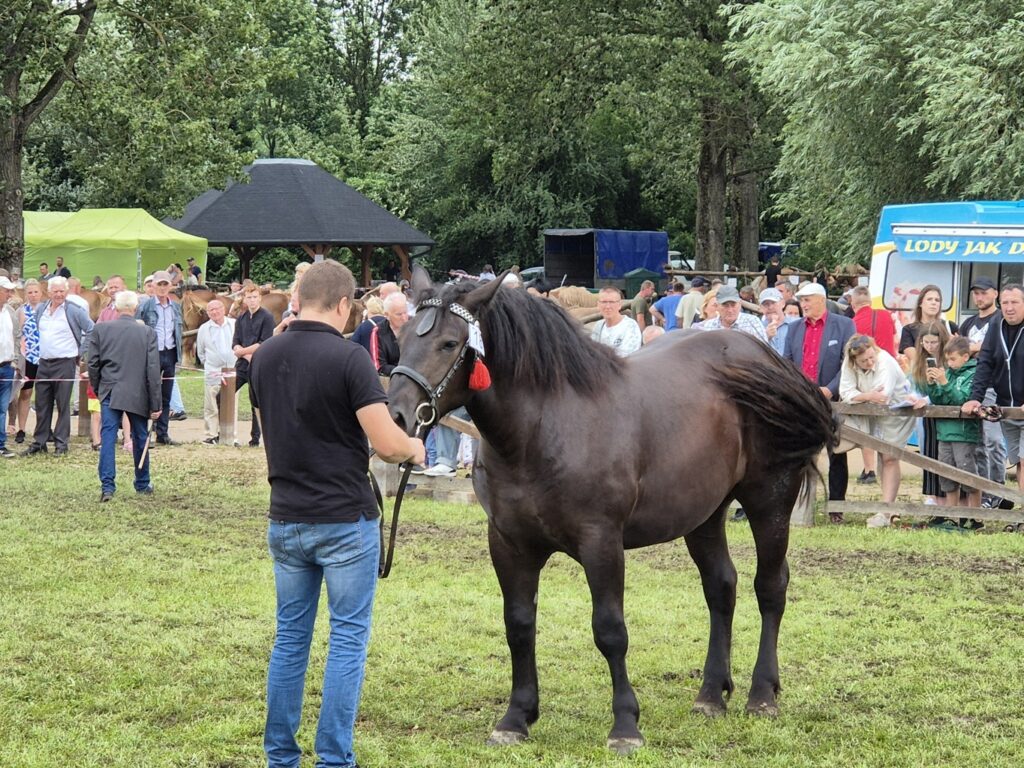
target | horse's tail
x=791, y=418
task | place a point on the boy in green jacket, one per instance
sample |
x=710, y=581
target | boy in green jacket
x=958, y=438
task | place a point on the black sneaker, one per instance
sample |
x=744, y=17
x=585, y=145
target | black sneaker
x=106, y=496
x=147, y=491
x=33, y=449
x=177, y=416
x=211, y=441
x=19, y=437
x=254, y=443
x=60, y=451
x=866, y=478
x=166, y=441
x=6, y=454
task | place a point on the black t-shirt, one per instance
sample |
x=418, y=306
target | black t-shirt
x=251, y=328
x=308, y=384
x=975, y=328
x=771, y=275
x=910, y=333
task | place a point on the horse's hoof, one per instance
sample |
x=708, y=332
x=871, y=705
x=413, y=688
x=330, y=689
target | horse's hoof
x=763, y=709
x=708, y=709
x=505, y=738
x=625, y=745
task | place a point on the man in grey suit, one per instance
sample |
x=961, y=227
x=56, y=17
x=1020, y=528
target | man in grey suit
x=816, y=345
x=124, y=370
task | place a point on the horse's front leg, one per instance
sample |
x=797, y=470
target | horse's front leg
x=709, y=550
x=604, y=563
x=518, y=571
x=770, y=527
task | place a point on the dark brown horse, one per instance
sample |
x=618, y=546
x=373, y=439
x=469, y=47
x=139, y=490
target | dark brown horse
x=581, y=451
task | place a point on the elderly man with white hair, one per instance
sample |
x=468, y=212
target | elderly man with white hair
x=124, y=370
x=384, y=338
x=213, y=346
x=64, y=331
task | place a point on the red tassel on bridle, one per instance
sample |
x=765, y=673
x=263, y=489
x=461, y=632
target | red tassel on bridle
x=480, y=378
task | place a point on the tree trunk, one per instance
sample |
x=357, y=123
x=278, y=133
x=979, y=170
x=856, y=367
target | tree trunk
x=711, y=175
x=12, y=226
x=746, y=226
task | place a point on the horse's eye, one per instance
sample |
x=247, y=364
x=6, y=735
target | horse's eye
x=448, y=346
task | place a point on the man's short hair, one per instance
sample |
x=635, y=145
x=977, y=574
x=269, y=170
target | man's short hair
x=325, y=284
x=678, y=287
x=74, y=281
x=61, y=283
x=1012, y=287
x=612, y=290
x=859, y=295
x=125, y=301
x=646, y=284
x=960, y=344
x=115, y=277
x=394, y=301
x=250, y=288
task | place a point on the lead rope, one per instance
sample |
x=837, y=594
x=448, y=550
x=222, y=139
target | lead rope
x=387, y=555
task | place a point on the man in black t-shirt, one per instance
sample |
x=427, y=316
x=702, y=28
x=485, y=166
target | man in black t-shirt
x=1001, y=367
x=319, y=399
x=252, y=328
x=991, y=454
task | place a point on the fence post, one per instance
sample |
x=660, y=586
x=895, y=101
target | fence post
x=803, y=511
x=228, y=412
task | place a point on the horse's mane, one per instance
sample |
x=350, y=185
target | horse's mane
x=536, y=344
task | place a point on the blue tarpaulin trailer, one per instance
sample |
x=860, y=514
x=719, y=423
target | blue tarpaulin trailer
x=596, y=257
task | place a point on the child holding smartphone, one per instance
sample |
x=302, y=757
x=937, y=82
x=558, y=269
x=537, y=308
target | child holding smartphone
x=958, y=438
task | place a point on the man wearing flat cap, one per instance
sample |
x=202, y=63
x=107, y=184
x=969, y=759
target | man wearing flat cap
x=731, y=318
x=163, y=315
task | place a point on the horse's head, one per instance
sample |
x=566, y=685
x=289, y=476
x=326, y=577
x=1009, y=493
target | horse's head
x=440, y=346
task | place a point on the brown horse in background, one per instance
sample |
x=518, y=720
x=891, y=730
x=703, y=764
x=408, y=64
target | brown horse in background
x=583, y=452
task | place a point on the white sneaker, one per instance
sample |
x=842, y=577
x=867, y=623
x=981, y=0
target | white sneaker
x=440, y=470
x=879, y=520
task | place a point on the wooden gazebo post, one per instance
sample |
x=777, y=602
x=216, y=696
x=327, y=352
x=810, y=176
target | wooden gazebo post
x=403, y=258
x=246, y=253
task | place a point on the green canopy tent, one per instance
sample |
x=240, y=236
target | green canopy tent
x=107, y=241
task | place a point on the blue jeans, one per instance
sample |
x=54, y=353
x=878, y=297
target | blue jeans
x=6, y=384
x=110, y=422
x=345, y=555
x=448, y=441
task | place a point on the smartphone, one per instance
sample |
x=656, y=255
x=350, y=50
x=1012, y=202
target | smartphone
x=931, y=363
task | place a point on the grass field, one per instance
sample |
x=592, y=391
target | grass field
x=136, y=633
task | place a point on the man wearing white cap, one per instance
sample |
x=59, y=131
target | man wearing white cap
x=730, y=317
x=816, y=346
x=776, y=324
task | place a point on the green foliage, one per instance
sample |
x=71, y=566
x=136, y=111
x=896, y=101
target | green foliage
x=885, y=103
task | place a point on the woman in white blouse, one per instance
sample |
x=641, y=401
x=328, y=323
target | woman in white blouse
x=872, y=375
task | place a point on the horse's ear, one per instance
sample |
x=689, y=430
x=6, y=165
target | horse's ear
x=481, y=297
x=421, y=286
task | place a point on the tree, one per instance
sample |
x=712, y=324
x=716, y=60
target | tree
x=885, y=103
x=39, y=45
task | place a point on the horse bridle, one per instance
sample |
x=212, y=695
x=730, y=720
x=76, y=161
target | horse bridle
x=433, y=393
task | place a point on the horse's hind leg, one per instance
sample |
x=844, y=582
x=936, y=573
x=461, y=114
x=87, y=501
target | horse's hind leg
x=708, y=548
x=768, y=510
x=518, y=574
x=603, y=561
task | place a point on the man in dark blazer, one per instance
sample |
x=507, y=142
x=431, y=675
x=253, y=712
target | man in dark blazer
x=815, y=344
x=124, y=370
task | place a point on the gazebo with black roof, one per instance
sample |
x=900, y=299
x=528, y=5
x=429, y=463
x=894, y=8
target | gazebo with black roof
x=288, y=203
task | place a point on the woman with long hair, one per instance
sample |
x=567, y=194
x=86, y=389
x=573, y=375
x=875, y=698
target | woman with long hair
x=927, y=310
x=871, y=375
x=930, y=345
